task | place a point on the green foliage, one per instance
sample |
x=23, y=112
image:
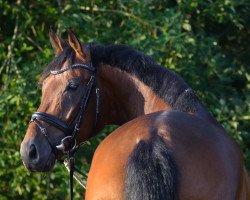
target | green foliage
x=207, y=42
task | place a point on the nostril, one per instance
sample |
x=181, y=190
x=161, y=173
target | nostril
x=32, y=152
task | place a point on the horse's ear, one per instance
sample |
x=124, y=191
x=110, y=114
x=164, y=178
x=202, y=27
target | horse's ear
x=56, y=42
x=74, y=42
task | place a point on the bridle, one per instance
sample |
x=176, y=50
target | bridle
x=68, y=143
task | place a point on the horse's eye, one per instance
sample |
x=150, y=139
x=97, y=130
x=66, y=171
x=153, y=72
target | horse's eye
x=72, y=86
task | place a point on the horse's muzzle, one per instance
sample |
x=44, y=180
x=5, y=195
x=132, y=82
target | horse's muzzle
x=36, y=157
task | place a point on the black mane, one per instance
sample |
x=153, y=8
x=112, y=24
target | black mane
x=165, y=83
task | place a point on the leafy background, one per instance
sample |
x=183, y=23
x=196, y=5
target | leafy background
x=207, y=42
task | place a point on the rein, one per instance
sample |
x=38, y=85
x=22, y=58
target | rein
x=68, y=143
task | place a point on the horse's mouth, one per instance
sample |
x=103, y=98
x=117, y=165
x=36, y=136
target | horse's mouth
x=40, y=167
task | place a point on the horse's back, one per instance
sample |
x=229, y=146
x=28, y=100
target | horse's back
x=208, y=161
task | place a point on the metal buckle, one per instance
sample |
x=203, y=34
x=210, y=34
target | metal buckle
x=62, y=146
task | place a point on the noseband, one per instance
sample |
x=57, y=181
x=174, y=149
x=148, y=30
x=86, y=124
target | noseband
x=68, y=143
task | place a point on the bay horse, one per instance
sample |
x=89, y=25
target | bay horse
x=168, y=146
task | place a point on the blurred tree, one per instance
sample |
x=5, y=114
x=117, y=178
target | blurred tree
x=207, y=42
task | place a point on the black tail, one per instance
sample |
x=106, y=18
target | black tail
x=151, y=172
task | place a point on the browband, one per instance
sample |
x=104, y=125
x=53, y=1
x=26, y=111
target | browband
x=88, y=67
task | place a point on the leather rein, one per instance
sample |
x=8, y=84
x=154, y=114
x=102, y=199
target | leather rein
x=68, y=143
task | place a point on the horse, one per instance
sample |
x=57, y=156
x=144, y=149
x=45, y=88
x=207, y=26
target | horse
x=167, y=146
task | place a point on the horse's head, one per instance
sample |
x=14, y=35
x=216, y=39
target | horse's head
x=68, y=103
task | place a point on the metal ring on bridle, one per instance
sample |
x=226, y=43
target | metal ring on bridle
x=63, y=147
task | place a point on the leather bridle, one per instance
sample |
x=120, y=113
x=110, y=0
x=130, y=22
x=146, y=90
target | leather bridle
x=68, y=143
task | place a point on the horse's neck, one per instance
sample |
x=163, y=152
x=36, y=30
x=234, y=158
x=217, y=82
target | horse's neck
x=125, y=97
